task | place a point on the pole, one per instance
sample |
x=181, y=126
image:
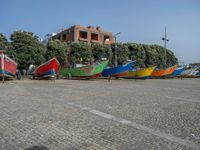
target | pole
x=165, y=47
x=3, y=78
x=165, y=44
x=115, y=36
x=116, y=51
x=2, y=67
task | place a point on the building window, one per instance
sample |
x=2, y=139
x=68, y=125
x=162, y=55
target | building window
x=94, y=36
x=58, y=38
x=106, y=38
x=83, y=34
x=64, y=37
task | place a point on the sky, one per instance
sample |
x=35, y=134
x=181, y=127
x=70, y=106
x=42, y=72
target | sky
x=139, y=21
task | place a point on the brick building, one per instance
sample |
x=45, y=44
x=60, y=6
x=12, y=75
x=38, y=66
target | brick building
x=85, y=34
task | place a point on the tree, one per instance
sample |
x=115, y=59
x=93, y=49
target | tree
x=102, y=51
x=122, y=53
x=3, y=42
x=151, y=55
x=137, y=53
x=27, y=49
x=169, y=58
x=80, y=53
x=57, y=49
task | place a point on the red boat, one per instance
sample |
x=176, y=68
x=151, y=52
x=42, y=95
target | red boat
x=8, y=67
x=48, y=69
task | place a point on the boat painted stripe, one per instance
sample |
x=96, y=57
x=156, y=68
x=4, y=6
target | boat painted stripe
x=7, y=57
x=6, y=73
x=91, y=76
x=48, y=76
x=48, y=73
x=160, y=134
x=122, y=73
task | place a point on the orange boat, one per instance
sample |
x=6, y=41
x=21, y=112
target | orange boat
x=163, y=72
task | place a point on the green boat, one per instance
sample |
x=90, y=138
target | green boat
x=88, y=71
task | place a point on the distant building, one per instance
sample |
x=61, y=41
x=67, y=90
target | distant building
x=48, y=37
x=85, y=34
x=195, y=65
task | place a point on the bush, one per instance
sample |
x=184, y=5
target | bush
x=80, y=53
x=57, y=49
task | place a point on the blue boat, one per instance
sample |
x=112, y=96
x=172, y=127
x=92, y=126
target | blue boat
x=119, y=71
x=178, y=71
x=198, y=73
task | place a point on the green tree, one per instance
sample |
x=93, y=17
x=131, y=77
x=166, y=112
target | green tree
x=160, y=59
x=27, y=49
x=122, y=53
x=3, y=42
x=169, y=58
x=58, y=49
x=102, y=51
x=151, y=55
x=137, y=53
x=80, y=53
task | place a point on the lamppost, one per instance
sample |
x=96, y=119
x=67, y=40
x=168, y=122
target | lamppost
x=115, y=36
x=165, y=45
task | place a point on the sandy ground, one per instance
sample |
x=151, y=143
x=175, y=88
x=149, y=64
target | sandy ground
x=97, y=114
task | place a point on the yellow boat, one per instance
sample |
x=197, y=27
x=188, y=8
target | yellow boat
x=141, y=73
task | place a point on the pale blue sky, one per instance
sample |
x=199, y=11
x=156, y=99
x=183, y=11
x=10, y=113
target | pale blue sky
x=140, y=21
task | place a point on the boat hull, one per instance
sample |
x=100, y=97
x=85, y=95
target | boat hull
x=189, y=72
x=141, y=74
x=48, y=69
x=8, y=67
x=89, y=71
x=178, y=71
x=163, y=72
x=120, y=71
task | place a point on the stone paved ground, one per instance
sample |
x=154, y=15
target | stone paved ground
x=97, y=114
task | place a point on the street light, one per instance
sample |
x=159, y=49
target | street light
x=115, y=36
x=165, y=44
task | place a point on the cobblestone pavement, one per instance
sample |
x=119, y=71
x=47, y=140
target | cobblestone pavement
x=97, y=114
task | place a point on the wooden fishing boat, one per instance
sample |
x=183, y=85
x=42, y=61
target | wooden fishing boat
x=48, y=69
x=178, y=71
x=141, y=73
x=88, y=71
x=119, y=71
x=194, y=73
x=189, y=72
x=163, y=72
x=8, y=67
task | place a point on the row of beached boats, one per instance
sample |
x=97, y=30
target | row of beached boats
x=51, y=69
